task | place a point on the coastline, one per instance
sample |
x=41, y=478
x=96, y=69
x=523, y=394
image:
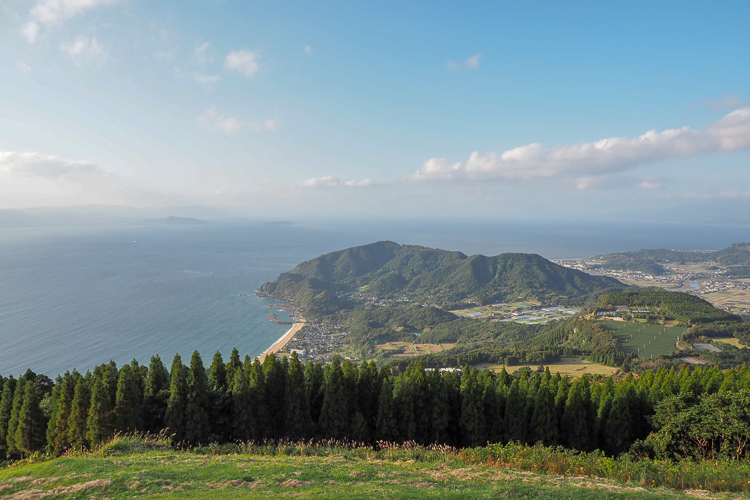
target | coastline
x=283, y=340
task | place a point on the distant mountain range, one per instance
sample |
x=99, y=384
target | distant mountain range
x=388, y=270
x=736, y=258
x=174, y=221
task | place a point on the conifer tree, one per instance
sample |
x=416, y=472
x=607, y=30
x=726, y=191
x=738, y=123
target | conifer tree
x=221, y=399
x=275, y=384
x=440, y=405
x=30, y=432
x=79, y=412
x=515, y=418
x=174, y=417
x=155, y=395
x=258, y=396
x=334, y=416
x=298, y=422
x=386, y=427
x=197, y=424
x=61, y=440
x=618, y=432
x=578, y=418
x=6, y=407
x=217, y=376
x=128, y=414
x=472, y=410
x=10, y=435
x=367, y=393
x=50, y=410
x=243, y=420
x=100, y=424
x=232, y=366
x=315, y=388
x=544, y=427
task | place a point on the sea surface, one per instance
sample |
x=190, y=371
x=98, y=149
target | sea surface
x=75, y=297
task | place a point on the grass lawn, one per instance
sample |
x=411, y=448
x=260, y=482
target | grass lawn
x=117, y=472
x=408, y=349
x=644, y=339
x=730, y=340
x=568, y=365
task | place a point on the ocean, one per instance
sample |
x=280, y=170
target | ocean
x=76, y=297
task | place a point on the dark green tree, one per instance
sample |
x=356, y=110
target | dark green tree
x=334, y=416
x=178, y=399
x=155, y=395
x=6, y=407
x=32, y=424
x=128, y=407
x=79, y=413
x=100, y=424
x=298, y=422
x=197, y=424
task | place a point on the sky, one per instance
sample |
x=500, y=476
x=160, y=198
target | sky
x=539, y=110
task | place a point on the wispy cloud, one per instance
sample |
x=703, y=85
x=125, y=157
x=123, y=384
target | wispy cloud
x=40, y=165
x=308, y=50
x=23, y=67
x=206, y=79
x=606, y=156
x=331, y=181
x=201, y=55
x=84, y=50
x=243, y=61
x=50, y=12
x=726, y=102
x=217, y=122
x=471, y=62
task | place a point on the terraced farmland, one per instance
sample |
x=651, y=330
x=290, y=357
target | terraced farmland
x=644, y=339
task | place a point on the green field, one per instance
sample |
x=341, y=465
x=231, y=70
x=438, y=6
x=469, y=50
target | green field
x=128, y=468
x=645, y=340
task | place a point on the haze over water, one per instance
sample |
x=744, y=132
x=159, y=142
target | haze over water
x=80, y=296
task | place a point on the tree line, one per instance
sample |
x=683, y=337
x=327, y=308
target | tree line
x=285, y=399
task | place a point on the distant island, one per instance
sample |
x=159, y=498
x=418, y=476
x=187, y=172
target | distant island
x=174, y=221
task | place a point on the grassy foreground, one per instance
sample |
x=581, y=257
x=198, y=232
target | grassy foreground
x=131, y=467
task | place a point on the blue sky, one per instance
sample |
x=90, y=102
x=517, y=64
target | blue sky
x=510, y=109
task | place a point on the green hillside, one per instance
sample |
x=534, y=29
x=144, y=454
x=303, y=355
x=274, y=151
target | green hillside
x=389, y=270
x=136, y=468
x=736, y=257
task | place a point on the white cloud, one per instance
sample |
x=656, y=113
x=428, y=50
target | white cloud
x=23, y=67
x=84, y=49
x=56, y=11
x=649, y=183
x=229, y=124
x=471, y=62
x=243, y=61
x=30, y=31
x=206, y=79
x=331, y=181
x=39, y=165
x=727, y=101
x=200, y=54
x=606, y=156
x=308, y=49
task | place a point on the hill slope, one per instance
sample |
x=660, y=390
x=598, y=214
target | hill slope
x=388, y=270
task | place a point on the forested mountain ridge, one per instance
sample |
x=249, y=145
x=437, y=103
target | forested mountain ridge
x=650, y=260
x=388, y=270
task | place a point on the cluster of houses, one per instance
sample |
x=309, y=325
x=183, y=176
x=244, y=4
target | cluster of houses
x=315, y=341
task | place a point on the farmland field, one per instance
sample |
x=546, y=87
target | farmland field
x=645, y=340
x=730, y=340
x=408, y=349
x=568, y=365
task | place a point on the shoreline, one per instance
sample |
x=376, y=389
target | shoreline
x=283, y=340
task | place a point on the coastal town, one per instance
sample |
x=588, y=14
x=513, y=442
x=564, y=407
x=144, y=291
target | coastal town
x=706, y=280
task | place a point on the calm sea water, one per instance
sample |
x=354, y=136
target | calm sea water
x=78, y=297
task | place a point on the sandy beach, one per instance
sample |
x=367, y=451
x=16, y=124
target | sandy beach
x=284, y=340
